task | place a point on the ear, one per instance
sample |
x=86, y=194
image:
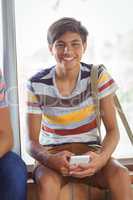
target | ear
x=50, y=48
x=85, y=46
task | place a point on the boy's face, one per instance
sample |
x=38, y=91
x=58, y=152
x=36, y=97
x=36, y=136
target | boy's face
x=68, y=50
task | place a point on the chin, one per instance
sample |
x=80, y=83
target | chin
x=71, y=65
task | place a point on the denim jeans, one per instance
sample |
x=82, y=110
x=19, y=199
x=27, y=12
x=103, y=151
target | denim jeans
x=13, y=177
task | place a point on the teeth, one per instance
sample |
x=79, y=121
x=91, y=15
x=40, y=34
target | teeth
x=68, y=59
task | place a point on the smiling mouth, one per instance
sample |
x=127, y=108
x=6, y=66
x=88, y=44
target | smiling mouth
x=68, y=59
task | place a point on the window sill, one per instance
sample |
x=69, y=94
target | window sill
x=127, y=162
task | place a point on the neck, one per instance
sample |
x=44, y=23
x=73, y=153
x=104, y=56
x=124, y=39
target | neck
x=64, y=74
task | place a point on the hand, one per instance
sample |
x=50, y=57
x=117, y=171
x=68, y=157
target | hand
x=60, y=162
x=97, y=162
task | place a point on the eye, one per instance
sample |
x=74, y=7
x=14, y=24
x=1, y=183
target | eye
x=76, y=44
x=60, y=45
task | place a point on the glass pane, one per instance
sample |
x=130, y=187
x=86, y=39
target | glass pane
x=110, y=42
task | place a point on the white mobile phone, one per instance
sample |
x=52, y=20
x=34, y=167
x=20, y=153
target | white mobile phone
x=80, y=159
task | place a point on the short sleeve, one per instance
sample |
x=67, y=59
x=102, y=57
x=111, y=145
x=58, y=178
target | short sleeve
x=106, y=84
x=33, y=103
x=3, y=92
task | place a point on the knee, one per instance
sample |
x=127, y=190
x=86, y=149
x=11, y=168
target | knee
x=13, y=167
x=122, y=172
x=46, y=180
x=119, y=174
x=14, y=175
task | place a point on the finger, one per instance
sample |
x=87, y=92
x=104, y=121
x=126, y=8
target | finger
x=65, y=174
x=82, y=173
x=68, y=153
x=75, y=170
x=84, y=166
x=73, y=167
x=66, y=164
x=67, y=158
x=78, y=173
x=82, y=176
x=93, y=154
x=87, y=153
x=64, y=171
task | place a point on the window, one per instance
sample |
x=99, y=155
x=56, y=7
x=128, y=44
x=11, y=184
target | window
x=110, y=42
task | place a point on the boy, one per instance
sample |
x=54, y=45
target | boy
x=61, y=105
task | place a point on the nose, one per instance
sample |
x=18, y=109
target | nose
x=67, y=49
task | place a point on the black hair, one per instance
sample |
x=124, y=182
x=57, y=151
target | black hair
x=65, y=24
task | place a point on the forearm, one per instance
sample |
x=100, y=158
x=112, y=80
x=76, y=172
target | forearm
x=109, y=143
x=38, y=152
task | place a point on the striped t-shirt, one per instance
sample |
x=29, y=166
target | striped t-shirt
x=3, y=102
x=72, y=118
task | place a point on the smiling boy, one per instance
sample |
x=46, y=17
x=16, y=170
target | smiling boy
x=62, y=119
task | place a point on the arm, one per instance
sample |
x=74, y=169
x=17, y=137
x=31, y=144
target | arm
x=57, y=161
x=6, y=136
x=35, y=149
x=99, y=160
x=108, y=115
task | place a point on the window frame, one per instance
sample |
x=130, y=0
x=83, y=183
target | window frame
x=10, y=67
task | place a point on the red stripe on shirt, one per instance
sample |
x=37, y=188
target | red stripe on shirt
x=106, y=85
x=79, y=130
